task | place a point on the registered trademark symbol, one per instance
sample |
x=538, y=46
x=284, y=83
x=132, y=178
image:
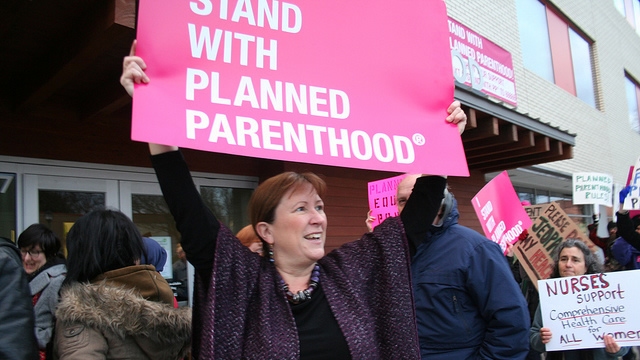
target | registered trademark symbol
x=418, y=139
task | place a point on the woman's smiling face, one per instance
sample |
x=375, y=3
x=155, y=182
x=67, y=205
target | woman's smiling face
x=33, y=259
x=298, y=231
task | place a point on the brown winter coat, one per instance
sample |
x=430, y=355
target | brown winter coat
x=109, y=321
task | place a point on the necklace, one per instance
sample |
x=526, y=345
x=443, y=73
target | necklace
x=303, y=295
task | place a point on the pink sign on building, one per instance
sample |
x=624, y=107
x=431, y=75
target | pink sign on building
x=499, y=210
x=351, y=84
x=382, y=198
x=481, y=64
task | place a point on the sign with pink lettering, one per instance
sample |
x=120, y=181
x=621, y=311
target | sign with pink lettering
x=352, y=84
x=481, y=64
x=499, y=210
x=382, y=198
x=581, y=310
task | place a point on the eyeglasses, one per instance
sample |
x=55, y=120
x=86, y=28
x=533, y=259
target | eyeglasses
x=33, y=253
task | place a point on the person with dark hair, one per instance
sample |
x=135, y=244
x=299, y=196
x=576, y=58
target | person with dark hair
x=626, y=225
x=611, y=263
x=17, y=338
x=626, y=255
x=46, y=270
x=296, y=302
x=573, y=258
x=111, y=307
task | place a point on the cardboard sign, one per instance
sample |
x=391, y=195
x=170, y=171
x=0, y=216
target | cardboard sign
x=352, y=84
x=551, y=228
x=533, y=211
x=499, y=211
x=592, y=188
x=581, y=310
x=382, y=198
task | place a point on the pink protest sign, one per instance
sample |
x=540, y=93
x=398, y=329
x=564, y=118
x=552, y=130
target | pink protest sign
x=499, y=210
x=382, y=198
x=481, y=64
x=351, y=84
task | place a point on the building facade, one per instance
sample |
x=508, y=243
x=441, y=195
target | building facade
x=576, y=68
x=65, y=121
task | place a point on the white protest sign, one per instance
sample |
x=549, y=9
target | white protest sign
x=581, y=310
x=592, y=188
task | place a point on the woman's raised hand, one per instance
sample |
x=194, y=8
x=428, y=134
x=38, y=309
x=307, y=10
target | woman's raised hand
x=133, y=68
x=457, y=116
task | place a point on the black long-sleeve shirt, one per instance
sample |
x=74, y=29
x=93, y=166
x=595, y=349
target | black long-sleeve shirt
x=199, y=229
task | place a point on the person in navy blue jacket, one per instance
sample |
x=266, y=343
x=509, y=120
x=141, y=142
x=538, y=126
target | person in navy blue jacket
x=626, y=254
x=468, y=305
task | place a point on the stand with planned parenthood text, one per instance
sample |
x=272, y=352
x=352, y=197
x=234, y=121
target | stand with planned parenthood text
x=358, y=84
x=581, y=310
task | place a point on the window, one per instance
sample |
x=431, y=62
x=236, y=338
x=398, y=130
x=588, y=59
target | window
x=535, y=34
x=633, y=103
x=581, y=60
x=580, y=214
x=631, y=10
x=230, y=205
x=555, y=50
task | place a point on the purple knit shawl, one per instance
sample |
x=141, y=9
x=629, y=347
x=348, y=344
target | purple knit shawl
x=244, y=314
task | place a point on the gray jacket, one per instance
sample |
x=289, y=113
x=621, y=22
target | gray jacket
x=47, y=283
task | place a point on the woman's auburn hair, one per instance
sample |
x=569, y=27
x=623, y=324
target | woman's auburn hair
x=247, y=236
x=268, y=195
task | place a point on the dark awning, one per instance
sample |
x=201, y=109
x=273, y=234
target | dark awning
x=499, y=138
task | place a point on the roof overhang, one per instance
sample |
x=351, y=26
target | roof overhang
x=499, y=138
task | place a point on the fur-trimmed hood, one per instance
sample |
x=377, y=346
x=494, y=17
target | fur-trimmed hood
x=120, y=312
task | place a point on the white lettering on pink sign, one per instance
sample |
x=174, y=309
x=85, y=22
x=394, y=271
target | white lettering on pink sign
x=331, y=82
x=499, y=211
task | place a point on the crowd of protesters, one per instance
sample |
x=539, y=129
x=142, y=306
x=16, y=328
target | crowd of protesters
x=108, y=299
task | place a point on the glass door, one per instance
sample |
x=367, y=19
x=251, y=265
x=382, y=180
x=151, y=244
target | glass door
x=58, y=201
x=144, y=204
x=57, y=195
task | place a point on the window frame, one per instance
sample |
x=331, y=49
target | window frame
x=564, y=66
x=634, y=123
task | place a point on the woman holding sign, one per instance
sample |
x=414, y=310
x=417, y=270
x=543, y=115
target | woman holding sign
x=574, y=259
x=296, y=302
